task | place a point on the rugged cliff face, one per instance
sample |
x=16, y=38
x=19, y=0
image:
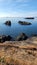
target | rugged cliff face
x=19, y=52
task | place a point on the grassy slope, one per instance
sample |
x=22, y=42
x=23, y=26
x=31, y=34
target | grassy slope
x=18, y=53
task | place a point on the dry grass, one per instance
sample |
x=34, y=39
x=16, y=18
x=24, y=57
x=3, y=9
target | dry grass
x=18, y=54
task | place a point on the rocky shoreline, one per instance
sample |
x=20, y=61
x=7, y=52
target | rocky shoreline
x=20, y=37
x=19, y=51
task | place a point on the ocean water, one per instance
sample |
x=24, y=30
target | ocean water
x=15, y=29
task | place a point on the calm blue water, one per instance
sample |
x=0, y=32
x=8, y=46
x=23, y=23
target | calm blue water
x=15, y=29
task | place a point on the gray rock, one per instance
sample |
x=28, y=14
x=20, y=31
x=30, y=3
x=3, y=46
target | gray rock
x=24, y=23
x=21, y=37
x=4, y=38
x=8, y=23
x=29, y=18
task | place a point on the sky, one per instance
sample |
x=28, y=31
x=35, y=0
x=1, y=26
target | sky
x=18, y=8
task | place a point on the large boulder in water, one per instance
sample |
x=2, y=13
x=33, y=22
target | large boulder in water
x=24, y=23
x=4, y=38
x=8, y=23
x=21, y=37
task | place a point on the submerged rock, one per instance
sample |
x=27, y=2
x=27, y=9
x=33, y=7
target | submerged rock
x=24, y=23
x=4, y=38
x=8, y=23
x=29, y=18
x=34, y=35
x=21, y=37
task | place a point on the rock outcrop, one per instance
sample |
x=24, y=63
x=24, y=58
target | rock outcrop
x=8, y=23
x=21, y=37
x=4, y=38
x=24, y=23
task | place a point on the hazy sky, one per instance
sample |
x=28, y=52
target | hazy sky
x=18, y=8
